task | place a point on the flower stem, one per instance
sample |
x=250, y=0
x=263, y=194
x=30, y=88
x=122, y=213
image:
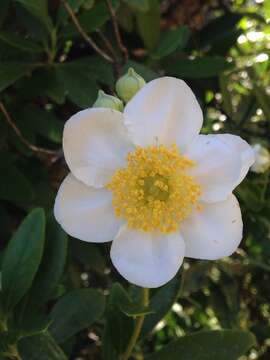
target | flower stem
x=137, y=328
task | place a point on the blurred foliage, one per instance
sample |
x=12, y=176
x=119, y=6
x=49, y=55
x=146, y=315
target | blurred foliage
x=48, y=71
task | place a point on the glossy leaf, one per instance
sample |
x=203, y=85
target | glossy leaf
x=40, y=347
x=208, y=345
x=52, y=264
x=11, y=72
x=68, y=320
x=172, y=40
x=23, y=253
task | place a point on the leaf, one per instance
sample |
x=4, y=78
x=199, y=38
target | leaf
x=39, y=9
x=161, y=303
x=198, y=68
x=263, y=99
x=118, y=327
x=88, y=254
x=4, y=5
x=7, y=339
x=14, y=186
x=133, y=310
x=208, y=345
x=148, y=23
x=40, y=347
x=68, y=320
x=140, y=5
x=172, y=40
x=52, y=264
x=20, y=43
x=80, y=79
x=11, y=72
x=23, y=253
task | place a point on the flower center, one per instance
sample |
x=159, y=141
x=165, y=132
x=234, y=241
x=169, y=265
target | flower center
x=154, y=191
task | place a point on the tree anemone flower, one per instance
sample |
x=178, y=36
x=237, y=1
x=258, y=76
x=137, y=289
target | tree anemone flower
x=147, y=180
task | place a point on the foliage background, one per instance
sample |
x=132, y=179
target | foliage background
x=55, y=289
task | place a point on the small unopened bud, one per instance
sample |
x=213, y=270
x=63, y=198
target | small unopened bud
x=262, y=159
x=108, y=101
x=128, y=85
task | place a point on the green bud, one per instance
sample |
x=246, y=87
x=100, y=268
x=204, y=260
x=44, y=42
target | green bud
x=128, y=85
x=108, y=101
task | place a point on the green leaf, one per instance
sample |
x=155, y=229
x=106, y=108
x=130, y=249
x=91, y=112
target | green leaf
x=11, y=72
x=80, y=79
x=23, y=253
x=39, y=9
x=208, y=345
x=40, y=347
x=140, y=5
x=14, y=186
x=88, y=254
x=198, y=68
x=148, y=23
x=7, y=339
x=133, y=310
x=161, y=303
x=172, y=40
x=118, y=327
x=52, y=264
x=20, y=43
x=68, y=320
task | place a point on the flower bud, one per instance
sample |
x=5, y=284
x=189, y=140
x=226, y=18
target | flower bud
x=108, y=101
x=128, y=85
x=262, y=159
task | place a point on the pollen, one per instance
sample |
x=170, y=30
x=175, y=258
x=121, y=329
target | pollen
x=154, y=192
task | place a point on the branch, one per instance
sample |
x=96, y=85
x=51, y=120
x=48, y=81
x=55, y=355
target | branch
x=30, y=146
x=118, y=37
x=86, y=37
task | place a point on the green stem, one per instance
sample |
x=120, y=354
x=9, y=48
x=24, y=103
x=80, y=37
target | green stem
x=137, y=328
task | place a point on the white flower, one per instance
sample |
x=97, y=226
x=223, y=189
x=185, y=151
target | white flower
x=262, y=159
x=148, y=181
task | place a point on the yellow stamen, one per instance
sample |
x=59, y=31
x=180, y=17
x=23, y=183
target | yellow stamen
x=154, y=192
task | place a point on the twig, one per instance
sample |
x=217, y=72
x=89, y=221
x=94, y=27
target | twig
x=86, y=37
x=118, y=37
x=30, y=146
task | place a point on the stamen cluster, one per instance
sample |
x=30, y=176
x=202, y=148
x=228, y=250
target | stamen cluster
x=154, y=192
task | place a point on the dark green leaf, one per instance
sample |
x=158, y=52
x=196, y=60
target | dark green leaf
x=23, y=253
x=52, y=264
x=161, y=303
x=172, y=40
x=40, y=347
x=141, y=69
x=198, y=68
x=88, y=254
x=11, y=72
x=14, y=186
x=140, y=5
x=20, y=43
x=7, y=339
x=148, y=24
x=119, y=327
x=208, y=345
x=39, y=9
x=67, y=319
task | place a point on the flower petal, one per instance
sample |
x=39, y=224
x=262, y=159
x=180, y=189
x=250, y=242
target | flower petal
x=244, y=150
x=166, y=111
x=95, y=144
x=84, y=212
x=147, y=259
x=213, y=232
x=222, y=161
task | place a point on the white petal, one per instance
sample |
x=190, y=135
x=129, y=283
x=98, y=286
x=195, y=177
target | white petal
x=222, y=161
x=213, y=232
x=164, y=111
x=147, y=259
x=84, y=212
x=95, y=144
x=244, y=150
